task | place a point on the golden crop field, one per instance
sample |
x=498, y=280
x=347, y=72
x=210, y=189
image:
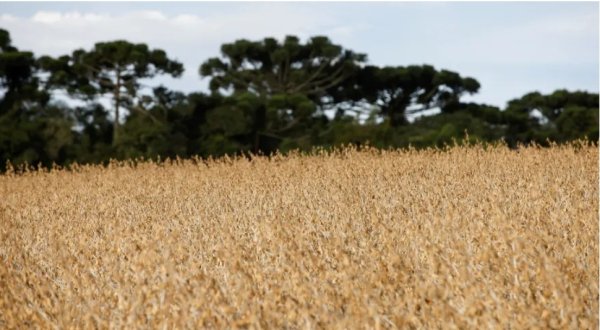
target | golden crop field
x=467, y=237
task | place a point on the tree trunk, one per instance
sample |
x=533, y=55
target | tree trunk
x=117, y=99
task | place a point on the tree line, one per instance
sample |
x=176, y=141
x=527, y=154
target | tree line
x=93, y=105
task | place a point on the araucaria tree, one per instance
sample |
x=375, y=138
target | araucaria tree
x=109, y=69
x=32, y=130
x=286, y=82
x=269, y=67
x=399, y=91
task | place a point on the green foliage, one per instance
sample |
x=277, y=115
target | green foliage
x=31, y=130
x=266, y=96
x=110, y=68
x=93, y=136
x=399, y=91
x=560, y=117
x=268, y=67
x=278, y=86
x=577, y=122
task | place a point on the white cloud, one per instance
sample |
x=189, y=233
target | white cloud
x=510, y=49
x=56, y=18
x=154, y=27
x=46, y=17
x=152, y=15
x=7, y=18
x=188, y=20
x=553, y=40
x=189, y=38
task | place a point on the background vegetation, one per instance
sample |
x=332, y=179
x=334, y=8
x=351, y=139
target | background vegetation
x=265, y=95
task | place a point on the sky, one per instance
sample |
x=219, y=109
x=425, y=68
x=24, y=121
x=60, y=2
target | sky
x=511, y=48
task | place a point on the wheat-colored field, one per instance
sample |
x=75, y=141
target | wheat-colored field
x=468, y=237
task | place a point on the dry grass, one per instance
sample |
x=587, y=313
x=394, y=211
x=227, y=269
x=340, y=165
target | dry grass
x=464, y=238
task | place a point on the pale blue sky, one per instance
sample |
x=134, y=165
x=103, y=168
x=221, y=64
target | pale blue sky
x=511, y=48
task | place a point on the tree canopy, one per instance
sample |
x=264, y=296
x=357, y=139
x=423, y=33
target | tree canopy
x=31, y=129
x=114, y=68
x=268, y=67
x=400, y=91
x=264, y=96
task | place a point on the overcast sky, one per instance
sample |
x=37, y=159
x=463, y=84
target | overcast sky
x=511, y=48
